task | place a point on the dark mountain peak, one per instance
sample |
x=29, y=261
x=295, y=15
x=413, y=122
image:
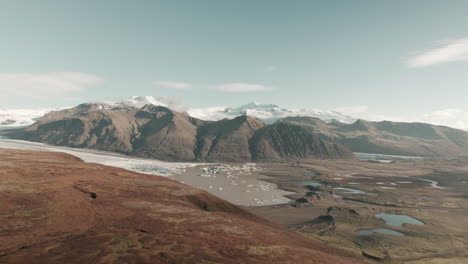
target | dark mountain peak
x=159, y=132
x=88, y=107
x=359, y=126
x=156, y=108
x=249, y=120
x=244, y=118
x=228, y=125
x=157, y=112
x=363, y=123
x=226, y=140
x=303, y=121
x=337, y=123
x=282, y=141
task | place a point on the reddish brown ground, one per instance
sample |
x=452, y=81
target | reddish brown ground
x=47, y=215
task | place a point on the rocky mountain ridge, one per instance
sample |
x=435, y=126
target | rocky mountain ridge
x=161, y=133
x=392, y=138
x=267, y=113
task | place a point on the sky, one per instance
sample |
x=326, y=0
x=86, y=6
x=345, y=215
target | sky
x=395, y=60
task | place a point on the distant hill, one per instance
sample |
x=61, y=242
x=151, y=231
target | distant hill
x=159, y=132
x=393, y=138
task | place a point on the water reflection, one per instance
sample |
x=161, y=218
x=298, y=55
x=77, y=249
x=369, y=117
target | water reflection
x=398, y=220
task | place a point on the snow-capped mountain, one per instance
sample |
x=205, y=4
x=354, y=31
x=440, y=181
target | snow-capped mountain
x=21, y=117
x=139, y=101
x=267, y=113
x=11, y=118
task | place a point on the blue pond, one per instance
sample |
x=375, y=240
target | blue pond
x=398, y=220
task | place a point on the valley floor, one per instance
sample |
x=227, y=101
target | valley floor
x=335, y=201
x=55, y=208
x=241, y=184
x=338, y=202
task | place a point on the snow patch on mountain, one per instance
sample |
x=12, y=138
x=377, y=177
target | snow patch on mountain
x=21, y=117
x=139, y=102
x=11, y=118
x=268, y=113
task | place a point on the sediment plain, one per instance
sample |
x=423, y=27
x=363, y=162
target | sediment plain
x=336, y=202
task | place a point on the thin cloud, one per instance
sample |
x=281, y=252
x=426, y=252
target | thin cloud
x=40, y=85
x=363, y=112
x=175, y=102
x=242, y=87
x=174, y=85
x=224, y=87
x=451, y=51
x=353, y=110
x=451, y=117
x=270, y=68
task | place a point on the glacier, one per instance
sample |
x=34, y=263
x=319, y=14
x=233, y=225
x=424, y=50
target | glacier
x=267, y=113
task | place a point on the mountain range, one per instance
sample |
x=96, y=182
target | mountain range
x=386, y=137
x=267, y=113
x=147, y=127
x=161, y=133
